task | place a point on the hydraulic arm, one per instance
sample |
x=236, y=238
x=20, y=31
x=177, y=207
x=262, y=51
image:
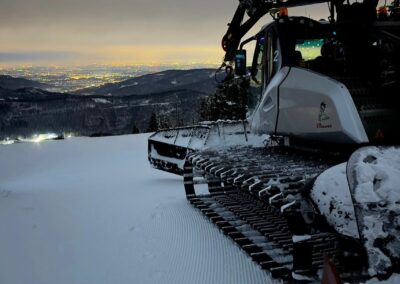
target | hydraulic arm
x=255, y=10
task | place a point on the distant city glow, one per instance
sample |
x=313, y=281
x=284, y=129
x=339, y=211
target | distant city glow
x=123, y=55
x=71, y=78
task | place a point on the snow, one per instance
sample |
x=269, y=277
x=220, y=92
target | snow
x=376, y=202
x=378, y=181
x=394, y=279
x=300, y=238
x=129, y=85
x=92, y=210
x=207, y=135
x=154, y=154
x=300, y=277
x=7, y=141
x=286, y=206
x=101, y=101
x=377, y=194
x=332, y=195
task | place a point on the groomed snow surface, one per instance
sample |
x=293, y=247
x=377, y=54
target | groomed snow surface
x=91, y=210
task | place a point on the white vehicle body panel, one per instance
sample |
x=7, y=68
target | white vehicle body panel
x=311, y=106
x=263, y=119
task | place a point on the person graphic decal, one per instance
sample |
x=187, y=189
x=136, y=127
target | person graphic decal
x=322, y=116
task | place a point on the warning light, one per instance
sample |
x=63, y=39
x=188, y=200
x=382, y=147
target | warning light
x=382, y=13
x=283, y=12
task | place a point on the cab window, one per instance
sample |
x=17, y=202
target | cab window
x=273, y=56
x=322, y=55
x=309, y=49
x=257, y=74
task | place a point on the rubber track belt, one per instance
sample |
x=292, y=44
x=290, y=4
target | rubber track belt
x=247, y=187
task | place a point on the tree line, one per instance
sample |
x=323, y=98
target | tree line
x=229, y=102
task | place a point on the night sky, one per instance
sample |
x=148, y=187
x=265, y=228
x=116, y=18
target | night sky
x=118, y=31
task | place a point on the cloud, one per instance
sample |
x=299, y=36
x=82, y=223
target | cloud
x=37, y=56
x=160, y=53
x=90, y=30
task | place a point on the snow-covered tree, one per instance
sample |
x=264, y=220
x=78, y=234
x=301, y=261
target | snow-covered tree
x=135, y=129
x=153, y=123
x=228, y=102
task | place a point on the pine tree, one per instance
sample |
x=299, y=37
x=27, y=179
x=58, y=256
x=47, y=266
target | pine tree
x=204, y=109
x=228, y=102
x=163, y=122
x=135, y=129
x=153, y=123
x=178, y=115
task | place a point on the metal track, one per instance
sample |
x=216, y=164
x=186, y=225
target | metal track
x=255, y=196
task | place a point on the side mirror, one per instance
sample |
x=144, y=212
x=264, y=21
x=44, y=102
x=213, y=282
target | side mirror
x=240, y=62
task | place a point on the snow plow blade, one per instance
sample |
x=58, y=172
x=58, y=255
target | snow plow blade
x=167, y=149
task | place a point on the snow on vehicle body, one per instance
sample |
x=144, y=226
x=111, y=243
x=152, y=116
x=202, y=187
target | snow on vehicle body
x=168, y=148
x=290, y=210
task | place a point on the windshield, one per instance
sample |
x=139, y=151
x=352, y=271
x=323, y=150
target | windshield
x=310, y=48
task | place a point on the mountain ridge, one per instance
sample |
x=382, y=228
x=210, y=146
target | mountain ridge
x=174, y=98
x=201, y=80
x=15, y=83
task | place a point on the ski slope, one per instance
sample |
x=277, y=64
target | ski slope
x=91, y=210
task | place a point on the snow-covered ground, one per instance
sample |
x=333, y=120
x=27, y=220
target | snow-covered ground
x=91, y=210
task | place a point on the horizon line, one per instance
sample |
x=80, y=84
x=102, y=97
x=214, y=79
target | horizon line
x=105, y=64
